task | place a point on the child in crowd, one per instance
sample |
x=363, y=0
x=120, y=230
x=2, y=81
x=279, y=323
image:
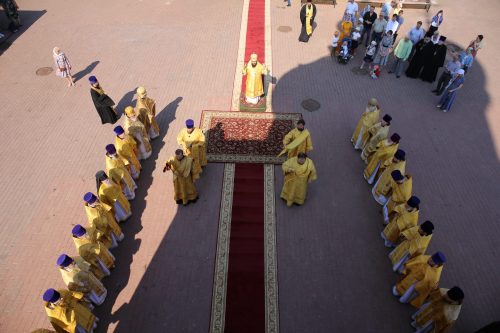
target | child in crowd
x=335, y=42
x=375, y=72
x=369, y=54
x=355, y=36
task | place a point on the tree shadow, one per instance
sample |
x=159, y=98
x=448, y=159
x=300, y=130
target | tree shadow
x=129, y=246
x=28, y=18
x=81, y=74
x=453, y=159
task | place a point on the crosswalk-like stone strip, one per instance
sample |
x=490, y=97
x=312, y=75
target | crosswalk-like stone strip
x=270, y=260
x=222, y=257
x=270, y=256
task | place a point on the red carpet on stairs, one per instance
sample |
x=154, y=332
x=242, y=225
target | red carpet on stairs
x=245, y=304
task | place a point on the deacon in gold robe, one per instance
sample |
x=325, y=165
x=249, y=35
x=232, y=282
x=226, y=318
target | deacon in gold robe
x=299, y=172
x=135, y=128
x=400, y=192
x=111, y=195
x=192, y=141
x=254, y=71
x=127, y=150
x=368, y=119
x=147, y=106
x=376, y=133
x=183, y=177
x=440, y=312
x=381, y=158
x=421, y=277
x=405, y=217
x=116, y=169
x=79, y=278
x=101, y=218
x=380, y=190
x=68, y=312
x=95, y=253
x=412, y=242
x=297, y=140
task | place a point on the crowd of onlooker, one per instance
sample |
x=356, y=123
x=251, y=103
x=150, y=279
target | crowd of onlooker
x=420, y=53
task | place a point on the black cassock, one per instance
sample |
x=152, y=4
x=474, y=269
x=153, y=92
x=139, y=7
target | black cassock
x=431, y=66
x=304, y=37
x=103, y=104
x=423, y=51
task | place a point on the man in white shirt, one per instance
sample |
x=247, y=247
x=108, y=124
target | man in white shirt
x=352, y=9
x=393, y=24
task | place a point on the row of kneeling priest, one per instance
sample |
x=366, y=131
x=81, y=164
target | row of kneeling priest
x=437, y=308
x=70, y=310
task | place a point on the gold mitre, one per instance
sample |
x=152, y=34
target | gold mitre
x=141, y=92
x=129, y=111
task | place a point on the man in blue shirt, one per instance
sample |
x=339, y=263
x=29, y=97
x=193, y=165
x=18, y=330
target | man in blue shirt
x=449, y=70
x=466, y=59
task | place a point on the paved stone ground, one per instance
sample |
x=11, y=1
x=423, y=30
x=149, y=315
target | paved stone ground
x=333, y=272
x=334, y=275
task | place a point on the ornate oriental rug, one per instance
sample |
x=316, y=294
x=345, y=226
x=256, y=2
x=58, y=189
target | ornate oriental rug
x=246, y=137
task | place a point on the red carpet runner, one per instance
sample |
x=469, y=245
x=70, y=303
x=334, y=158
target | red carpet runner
x=245, y=303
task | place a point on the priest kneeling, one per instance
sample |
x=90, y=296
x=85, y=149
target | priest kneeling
x=299, y=171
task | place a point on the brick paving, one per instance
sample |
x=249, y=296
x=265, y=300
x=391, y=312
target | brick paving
x=333, y=270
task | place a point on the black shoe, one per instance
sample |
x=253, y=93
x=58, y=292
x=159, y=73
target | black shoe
x=398, y=76
x=435, y=91
x=179, y=202
x=194, y=200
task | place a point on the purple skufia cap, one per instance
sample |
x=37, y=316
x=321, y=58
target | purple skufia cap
x=78, y=230
x=110, y=149
x=118, y=130
x=92, y=79
x=413, y=201
x=89, y=198
x=396, y=175
x=438, y=258
x=400, y=155
x=395, y=138
x=64, y=260
x=190, y=123
x=51, y=295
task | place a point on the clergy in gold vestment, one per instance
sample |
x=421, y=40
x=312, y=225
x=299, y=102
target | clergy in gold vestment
x=421, y=277
x=183, y=177
x=116, y=169
x=111, y=194
x=135, y=128
x=192, y=141
x=299, y=171
x=297, y=141
x=79, y=278
x=405, y=217
x=376, y=133
x=382, y=187
x=440, y=311
x=254, y=83
x=127, y=150
x=148, y=106
x=400, y=192
x=101, y=218
x=368, y=119
x=68, y=312
x=381, y=158
x=95, y=253
x=412, y=242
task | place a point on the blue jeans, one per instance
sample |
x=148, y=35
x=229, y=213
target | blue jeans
x=289, y=2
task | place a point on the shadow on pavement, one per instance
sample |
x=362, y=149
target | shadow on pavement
x=28, y=18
